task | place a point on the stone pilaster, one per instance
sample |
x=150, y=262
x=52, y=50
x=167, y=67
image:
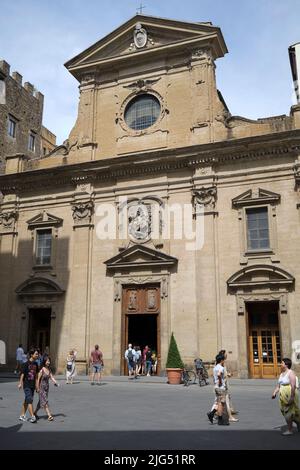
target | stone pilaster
x=81, y=281
x=207, y=278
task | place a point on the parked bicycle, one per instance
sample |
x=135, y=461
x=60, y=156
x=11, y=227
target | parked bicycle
x=201, y=372
x=188, y=377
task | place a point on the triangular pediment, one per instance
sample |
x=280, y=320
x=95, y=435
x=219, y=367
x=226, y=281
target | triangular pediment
x=140, y=256
x=44, y=219
x=160, y=33
x=255, y=196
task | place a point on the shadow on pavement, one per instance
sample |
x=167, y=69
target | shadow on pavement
x=215, y=439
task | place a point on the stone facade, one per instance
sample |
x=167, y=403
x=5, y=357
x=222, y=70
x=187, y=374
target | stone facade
x=48, y=141
x=23, y=106
x=195, y=153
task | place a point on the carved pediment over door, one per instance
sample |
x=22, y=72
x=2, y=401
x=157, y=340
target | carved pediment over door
x=140, y=256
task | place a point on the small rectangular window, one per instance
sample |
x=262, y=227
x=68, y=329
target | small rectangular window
x=12, y=126
x=43, y=247
x=31, y=142
x=258, y=229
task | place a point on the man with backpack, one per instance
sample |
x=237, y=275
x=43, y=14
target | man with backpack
x=130, y=356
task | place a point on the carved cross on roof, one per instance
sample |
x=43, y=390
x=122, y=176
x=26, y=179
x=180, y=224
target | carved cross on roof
x=139, y=10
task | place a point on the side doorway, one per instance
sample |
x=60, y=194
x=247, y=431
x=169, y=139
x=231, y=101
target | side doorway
x=39, y=328
x=264, y=344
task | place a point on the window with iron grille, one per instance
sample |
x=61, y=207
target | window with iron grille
x=43, y=247
x=142, y=112
x=258, y=228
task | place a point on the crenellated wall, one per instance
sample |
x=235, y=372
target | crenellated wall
x=24, y=104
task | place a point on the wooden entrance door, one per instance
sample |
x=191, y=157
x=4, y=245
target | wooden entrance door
x=265, y=354
x=141, y=319
x=264, y=340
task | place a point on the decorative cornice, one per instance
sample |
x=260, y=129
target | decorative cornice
x=271, y=146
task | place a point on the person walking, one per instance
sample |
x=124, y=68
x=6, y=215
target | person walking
x=29, y=383
x=230, y=410
x=96, y=360
x=138, y=354
x=288, y=396
x=220, y=392
x=43, y=387
x=71, y=366
x=19, y=359
x=130, y=356
x=148, y=362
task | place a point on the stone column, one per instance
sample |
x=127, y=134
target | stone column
x=81, y=280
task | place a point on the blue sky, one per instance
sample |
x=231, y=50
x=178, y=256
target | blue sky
x=38, y=36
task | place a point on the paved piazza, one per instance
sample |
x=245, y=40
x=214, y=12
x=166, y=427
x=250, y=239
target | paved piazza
x=143, y=414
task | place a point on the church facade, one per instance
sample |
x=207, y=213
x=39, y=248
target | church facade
x=161, y=213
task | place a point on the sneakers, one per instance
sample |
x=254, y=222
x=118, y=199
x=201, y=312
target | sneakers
x=92, y=383
x=233, y=420
x=287, y=433
x=32, y=419
x=23, y=418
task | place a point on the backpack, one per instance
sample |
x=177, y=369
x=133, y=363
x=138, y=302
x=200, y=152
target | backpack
x=130, y=355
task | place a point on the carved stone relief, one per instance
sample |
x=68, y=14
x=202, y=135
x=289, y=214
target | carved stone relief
x=206, y=197
x=82, y=212
x=8, y=220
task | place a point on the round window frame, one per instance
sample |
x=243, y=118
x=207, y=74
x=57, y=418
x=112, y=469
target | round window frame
x=147, y=130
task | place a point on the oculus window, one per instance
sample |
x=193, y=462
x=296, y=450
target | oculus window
x=142, y=112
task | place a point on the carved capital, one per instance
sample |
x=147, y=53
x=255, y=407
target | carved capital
x=206, y=197
x=8, y=220
x=82, y=212
x=204, y=55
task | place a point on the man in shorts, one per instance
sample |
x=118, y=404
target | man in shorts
x=96, y=360
x=29, y=382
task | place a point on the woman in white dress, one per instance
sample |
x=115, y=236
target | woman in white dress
x=71, y=366
x=288, y=396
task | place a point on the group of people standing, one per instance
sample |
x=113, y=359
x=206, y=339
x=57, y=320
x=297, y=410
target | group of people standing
x=140, y=362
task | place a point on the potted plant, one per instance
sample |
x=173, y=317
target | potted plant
x=174, y=364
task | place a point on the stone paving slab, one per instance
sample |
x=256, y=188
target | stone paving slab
x=136, y=414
